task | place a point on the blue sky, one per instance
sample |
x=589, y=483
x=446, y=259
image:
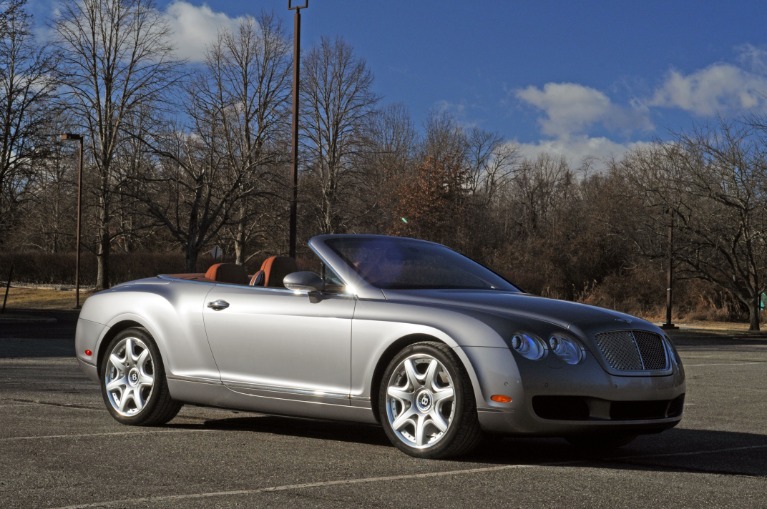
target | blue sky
x=582, y=79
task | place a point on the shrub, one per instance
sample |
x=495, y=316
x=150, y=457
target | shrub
x=59, y=269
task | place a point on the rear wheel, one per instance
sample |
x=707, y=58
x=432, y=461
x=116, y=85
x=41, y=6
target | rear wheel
x=426, y=403
x=133, y=381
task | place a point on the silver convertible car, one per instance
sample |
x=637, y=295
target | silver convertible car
x=433, y=346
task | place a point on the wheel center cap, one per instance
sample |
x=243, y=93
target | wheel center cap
x=424, y=401
x=133, y=377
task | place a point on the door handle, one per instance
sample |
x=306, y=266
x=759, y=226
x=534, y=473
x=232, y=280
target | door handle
x=218, y=305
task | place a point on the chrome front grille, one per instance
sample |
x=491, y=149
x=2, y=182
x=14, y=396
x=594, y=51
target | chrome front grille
x=633, y=350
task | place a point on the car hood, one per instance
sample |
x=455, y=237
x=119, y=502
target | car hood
x=524, y=307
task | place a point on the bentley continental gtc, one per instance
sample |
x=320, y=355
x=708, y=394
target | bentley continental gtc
x=435, y=347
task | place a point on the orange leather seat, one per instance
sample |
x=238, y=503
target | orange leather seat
x=275, y=268
x=228, y=273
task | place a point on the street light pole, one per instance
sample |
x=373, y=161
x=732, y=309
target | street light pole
x=296, y=81
x=79, y=138
x=670, y=273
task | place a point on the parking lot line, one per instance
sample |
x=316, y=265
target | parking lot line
x=686, y=365
x=115, y=433
x=289, y=487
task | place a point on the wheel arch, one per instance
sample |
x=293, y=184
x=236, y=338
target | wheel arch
x=110, y=334
x=397, y=346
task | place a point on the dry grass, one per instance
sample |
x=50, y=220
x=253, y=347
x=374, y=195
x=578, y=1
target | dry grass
x=41, y=298
x=714, y=326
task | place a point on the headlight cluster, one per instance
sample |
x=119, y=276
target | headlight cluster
x=530, y=346
x=566, y=348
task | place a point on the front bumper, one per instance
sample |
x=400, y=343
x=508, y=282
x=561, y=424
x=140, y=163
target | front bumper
x=550, y=398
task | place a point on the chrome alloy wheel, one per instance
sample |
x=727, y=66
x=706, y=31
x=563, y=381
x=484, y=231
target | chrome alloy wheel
x=420, y=397
x=129, y=376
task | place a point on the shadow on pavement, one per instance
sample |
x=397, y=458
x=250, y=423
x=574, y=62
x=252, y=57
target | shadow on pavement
x=679, y=449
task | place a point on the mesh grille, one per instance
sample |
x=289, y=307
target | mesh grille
x=632, y=350
x=652, y=350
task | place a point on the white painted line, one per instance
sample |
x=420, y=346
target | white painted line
x=724, y=364
x=116, y=433
x=406, y=477
x=289, y=487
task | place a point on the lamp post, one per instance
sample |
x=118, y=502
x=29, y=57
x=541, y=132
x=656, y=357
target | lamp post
x=295, y=6
x=77, y=137
x=670, y=273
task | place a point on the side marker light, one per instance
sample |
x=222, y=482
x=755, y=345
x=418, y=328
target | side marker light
x=88, y=353
x=501, y=398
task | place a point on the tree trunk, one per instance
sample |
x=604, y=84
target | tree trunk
x=191, y=258
x=753, y=314
x=102, y=251
x=239, y=237
x=102, y=259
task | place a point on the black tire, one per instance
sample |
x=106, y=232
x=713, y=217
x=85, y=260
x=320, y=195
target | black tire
x=425, y=386
x=132, y=379
x=601, y=442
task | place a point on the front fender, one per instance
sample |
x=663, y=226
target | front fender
x=379, y=326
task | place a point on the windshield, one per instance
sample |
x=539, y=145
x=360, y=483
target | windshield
x=405, y=264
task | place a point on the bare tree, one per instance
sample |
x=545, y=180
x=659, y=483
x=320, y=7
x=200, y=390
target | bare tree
x=49, y=213
x=336, y=103
x=116, y=57
x=713, y=184
x=387, y=159
x=538, y=186
x=450, y=196
x=444, y=138
x=208, y=173
x=26, y=85
x=432, y=201
x=183, y=192
x=248, y=84
x=491, y=161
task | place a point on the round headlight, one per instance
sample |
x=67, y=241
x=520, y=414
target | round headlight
x=566, y=348
x=528, y=346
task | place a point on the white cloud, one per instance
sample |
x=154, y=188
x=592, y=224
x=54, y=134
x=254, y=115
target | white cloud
x=580, y=150
x=572, y=109
x=753, y=57
x=195, y=28
x=717, y=89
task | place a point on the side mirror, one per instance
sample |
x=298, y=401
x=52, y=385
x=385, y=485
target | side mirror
x=304, y=281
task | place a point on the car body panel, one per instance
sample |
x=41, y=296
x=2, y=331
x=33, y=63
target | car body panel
x=170, y=310
x=276, y=338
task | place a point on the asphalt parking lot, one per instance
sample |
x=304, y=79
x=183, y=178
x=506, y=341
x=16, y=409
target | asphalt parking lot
x=60, y=448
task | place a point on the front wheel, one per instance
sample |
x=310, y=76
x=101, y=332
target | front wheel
x=426, y=403
x=133, y=381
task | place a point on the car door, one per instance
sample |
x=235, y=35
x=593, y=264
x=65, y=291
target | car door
x=272, y=341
